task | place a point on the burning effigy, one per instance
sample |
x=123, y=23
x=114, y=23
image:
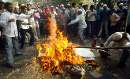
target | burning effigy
x=57, y=55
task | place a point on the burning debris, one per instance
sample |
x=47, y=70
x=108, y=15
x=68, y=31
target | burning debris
x=56, y=54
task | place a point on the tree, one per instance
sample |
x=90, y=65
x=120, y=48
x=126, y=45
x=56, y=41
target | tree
x=21, y=1
x=66, y=1
x=106, y=1
x=77, y=1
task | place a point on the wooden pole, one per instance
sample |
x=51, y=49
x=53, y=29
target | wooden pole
x=104, y=47
x=126, y=25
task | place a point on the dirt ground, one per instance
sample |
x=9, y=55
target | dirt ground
x=30, y=70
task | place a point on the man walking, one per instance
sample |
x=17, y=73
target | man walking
x=10, y=32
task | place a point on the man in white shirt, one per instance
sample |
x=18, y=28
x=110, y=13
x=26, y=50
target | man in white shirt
x=91, y=18
x=10, y=32
x=26, y=27
x=119, y=39
x=80, y=18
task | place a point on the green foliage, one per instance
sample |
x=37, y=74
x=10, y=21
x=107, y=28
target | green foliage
x=65, y=1
x=106, y=1
x=77, y=1
x=21, y=1
x=52, y=2
x=55, y=2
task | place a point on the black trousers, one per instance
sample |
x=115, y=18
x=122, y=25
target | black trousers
x=124, y=57
x=23, y=34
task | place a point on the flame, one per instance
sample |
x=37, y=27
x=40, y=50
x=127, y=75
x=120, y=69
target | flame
x=56, y=50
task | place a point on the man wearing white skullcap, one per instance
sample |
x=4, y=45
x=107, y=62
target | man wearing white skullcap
x=119, y=39
x=116, y=38
x=82, y=24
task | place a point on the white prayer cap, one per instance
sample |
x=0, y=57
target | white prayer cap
x=17, y=7
x=68, y=4
x=57, y=8
x=105, y=5
x=117, y=36
x=62, y=5
x=52, y=6
x=22, y=4
x=121, y=3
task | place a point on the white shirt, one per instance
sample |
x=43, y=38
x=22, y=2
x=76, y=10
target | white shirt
x=81, y=20
x=111, y=43
x=9, y=28
x=31, y=19
x=67, y=13
x=91, y=15
x=25, y=20
x=83, y=12
x=114, y=37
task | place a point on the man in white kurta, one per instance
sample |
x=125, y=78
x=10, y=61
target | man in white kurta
x=119, y=39
x=80, y=18
x=10, y=32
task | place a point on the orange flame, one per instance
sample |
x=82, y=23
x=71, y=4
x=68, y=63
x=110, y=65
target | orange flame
x=56, y=50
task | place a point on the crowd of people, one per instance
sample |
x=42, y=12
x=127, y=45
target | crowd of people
x=22, y=23
x=15, y=25
x=97, y=21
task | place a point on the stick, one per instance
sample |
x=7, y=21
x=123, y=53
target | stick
x=126, y=25
x=104, y=47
